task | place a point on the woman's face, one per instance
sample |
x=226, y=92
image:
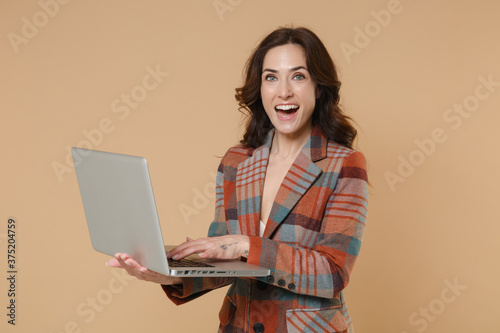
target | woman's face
x=288, y=91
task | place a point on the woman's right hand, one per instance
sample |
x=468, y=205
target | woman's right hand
x=123, y=260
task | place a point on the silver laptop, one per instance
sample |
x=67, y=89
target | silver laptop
x=121, y=216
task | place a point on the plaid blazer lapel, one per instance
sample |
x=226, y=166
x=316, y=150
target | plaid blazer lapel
x=249, y=186
x=302, y=174
x=250, y=183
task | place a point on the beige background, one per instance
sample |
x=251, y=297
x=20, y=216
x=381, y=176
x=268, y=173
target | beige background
x=433, y=227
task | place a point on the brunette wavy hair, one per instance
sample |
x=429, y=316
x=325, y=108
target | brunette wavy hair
x=327, y=113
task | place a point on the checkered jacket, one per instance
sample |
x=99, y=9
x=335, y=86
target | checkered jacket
x=310, y=243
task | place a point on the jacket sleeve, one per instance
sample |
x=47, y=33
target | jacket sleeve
x=323, y=269
x=195, y=287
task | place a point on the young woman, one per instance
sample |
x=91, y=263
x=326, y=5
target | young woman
x=292, y=197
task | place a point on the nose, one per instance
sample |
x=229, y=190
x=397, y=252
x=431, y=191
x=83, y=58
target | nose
x=285, y=90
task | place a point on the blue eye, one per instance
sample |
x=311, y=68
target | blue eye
x=299, y=77
x=270, y=78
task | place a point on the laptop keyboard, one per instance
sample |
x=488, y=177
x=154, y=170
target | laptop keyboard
x=187, y=263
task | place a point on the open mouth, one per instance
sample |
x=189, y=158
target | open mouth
x=286, y=111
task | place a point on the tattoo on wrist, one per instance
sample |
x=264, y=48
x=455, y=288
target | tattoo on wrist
x=226, y=246
x=246, y=253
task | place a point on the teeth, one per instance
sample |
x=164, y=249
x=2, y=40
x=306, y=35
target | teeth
x=287, y=107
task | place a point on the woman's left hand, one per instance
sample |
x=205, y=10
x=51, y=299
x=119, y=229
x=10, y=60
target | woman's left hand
x=133, y=268
x=223, y=247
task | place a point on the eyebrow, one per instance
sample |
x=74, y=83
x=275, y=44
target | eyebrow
x=291, y=69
